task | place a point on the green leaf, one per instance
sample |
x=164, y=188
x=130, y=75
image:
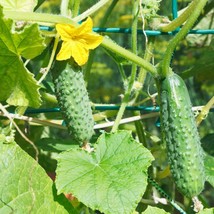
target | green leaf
x=19, y=5
x=207, y=211
x=25, y=187
x=152, y=210
x=111, y=179
x=18, y=86
x=29, y=43
x=209, y=168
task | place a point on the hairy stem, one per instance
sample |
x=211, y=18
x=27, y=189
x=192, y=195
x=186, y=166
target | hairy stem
x=112, y=46
x=143, y=72
x=56, y=41
x=181, y=19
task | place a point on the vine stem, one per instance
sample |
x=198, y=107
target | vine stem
x=112, y=46
x=56, y=41
x=181, y=19
x=143, y=72
x=180, y=35
x=134, y=68
x=51, y=20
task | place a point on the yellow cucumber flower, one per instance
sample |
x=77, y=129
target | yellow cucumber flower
x=77, y=41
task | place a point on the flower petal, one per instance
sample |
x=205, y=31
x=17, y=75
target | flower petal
x=75, y=50
x=77, y=41
x=85, y=27
x=66, y=31
x=80, y=54
x=91, y=40
x=65, y=51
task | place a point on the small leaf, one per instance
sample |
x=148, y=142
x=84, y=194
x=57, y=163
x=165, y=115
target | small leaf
x=19, y=5
x=209, y=169
x=152, y=210
x=25, y=187
x=111, y=179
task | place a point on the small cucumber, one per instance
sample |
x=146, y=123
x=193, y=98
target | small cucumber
x=180, y=133
x=73, y=100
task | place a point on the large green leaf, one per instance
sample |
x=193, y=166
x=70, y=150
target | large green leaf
x=209, y=169
x=111, y=179
x=18, y=85
x=19, y=5
x=25, y=187
x=154, y=210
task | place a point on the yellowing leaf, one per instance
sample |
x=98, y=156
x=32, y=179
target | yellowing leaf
x=77, y=41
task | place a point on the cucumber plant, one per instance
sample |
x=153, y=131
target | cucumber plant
x=114, y=161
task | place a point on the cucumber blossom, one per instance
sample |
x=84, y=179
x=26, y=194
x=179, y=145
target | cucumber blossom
x=73, y=100
x=180, y=133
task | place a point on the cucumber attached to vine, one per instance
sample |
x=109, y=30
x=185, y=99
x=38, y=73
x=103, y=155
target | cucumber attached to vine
x=73, y=100
x=180, y=133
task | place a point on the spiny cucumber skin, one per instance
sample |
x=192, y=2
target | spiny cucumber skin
x=73, y=100
x=180, y=132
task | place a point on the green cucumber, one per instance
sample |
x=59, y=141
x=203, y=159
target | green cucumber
x=180, y=133
x=73, y=100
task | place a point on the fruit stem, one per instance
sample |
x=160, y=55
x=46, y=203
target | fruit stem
x=181, y=19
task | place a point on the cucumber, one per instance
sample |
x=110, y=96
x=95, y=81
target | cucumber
x=73, y=100
x=179, y=129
